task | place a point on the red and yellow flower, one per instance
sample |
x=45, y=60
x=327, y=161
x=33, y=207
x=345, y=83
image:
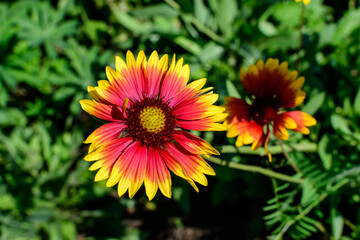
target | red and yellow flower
x=274, y=89
x=306, y=2
x=148, y=107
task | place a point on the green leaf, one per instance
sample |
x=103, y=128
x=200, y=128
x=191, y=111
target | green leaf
x=210, y=52
x=337, y=223
x=12, y=117
x=340, y=123
x=347, y=24
x=160, y=9
x=357, y=103
x=68, y=230
x=324, y=150
x=288, y=14
x=131, y=23
x=225, y=16
x=326, y=35
x=188, y=44
x=348, y=107
x=92, y=27
x=307, y=226
x=266, y=27
x=64, y=93
x=314, y=104
x=231, y=89
x=47, y=26
x=4, y=96
x=201, y=12
x=308, y=193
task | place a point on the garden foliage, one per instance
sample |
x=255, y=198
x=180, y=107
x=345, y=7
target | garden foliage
x=50, y=51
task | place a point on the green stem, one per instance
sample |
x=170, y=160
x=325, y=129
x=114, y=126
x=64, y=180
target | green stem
x=300, y=147
x=302, y=22
x=288, y=158
x=173, y=4
x=353, y=227
x=207, y=31
x=257, y=169
x=352, y=4
x=344, y=174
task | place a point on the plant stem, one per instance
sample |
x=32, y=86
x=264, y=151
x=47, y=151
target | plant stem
x=207, y=31
x=257, y=169
x=302, y=22
x=342, y=175
x=300, y=147
x=352, y=4
x=351, y=225
x=288, y=158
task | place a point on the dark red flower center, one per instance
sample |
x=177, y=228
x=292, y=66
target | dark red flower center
x=264, y=110
x=150, y=121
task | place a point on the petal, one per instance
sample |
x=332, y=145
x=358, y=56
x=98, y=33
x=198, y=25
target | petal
x=109, y=96
x=282, y=123
x=175, y=79
x=163, y=176
x=101, y=110
x=109, y=151
x=155, y=71
x=129, y=78
x=134, y=75
x=189, y=91
x=95, y=96
x=194, y=166
x=139, y=164
x=119, y=86
x=106, y=133
x=205, y=124
x=96, y=165
x=194, y=144
x=129, y=169
x=237, y=110
x=247, y=132
x=302, y=120
x=150, y=181
x=274, y=81
x=197, y=108
x=173, y=164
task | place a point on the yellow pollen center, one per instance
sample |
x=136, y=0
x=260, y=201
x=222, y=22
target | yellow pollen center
x=152, y=119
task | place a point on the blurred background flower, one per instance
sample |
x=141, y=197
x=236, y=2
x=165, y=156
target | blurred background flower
x=306, y=2
x=273, y=89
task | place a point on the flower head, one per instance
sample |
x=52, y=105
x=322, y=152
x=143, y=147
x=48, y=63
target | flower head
x=306, y=2
x=274, y=89
x=148, y=105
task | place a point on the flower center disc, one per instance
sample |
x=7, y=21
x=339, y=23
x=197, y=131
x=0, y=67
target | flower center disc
x=264, y=110
x=151, y=122
x=152, y=119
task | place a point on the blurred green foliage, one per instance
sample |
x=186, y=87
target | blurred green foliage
x=50, y=51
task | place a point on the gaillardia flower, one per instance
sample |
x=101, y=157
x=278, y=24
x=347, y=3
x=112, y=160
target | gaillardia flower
x=306, y=2
x=274, y=89
x=148, y=106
